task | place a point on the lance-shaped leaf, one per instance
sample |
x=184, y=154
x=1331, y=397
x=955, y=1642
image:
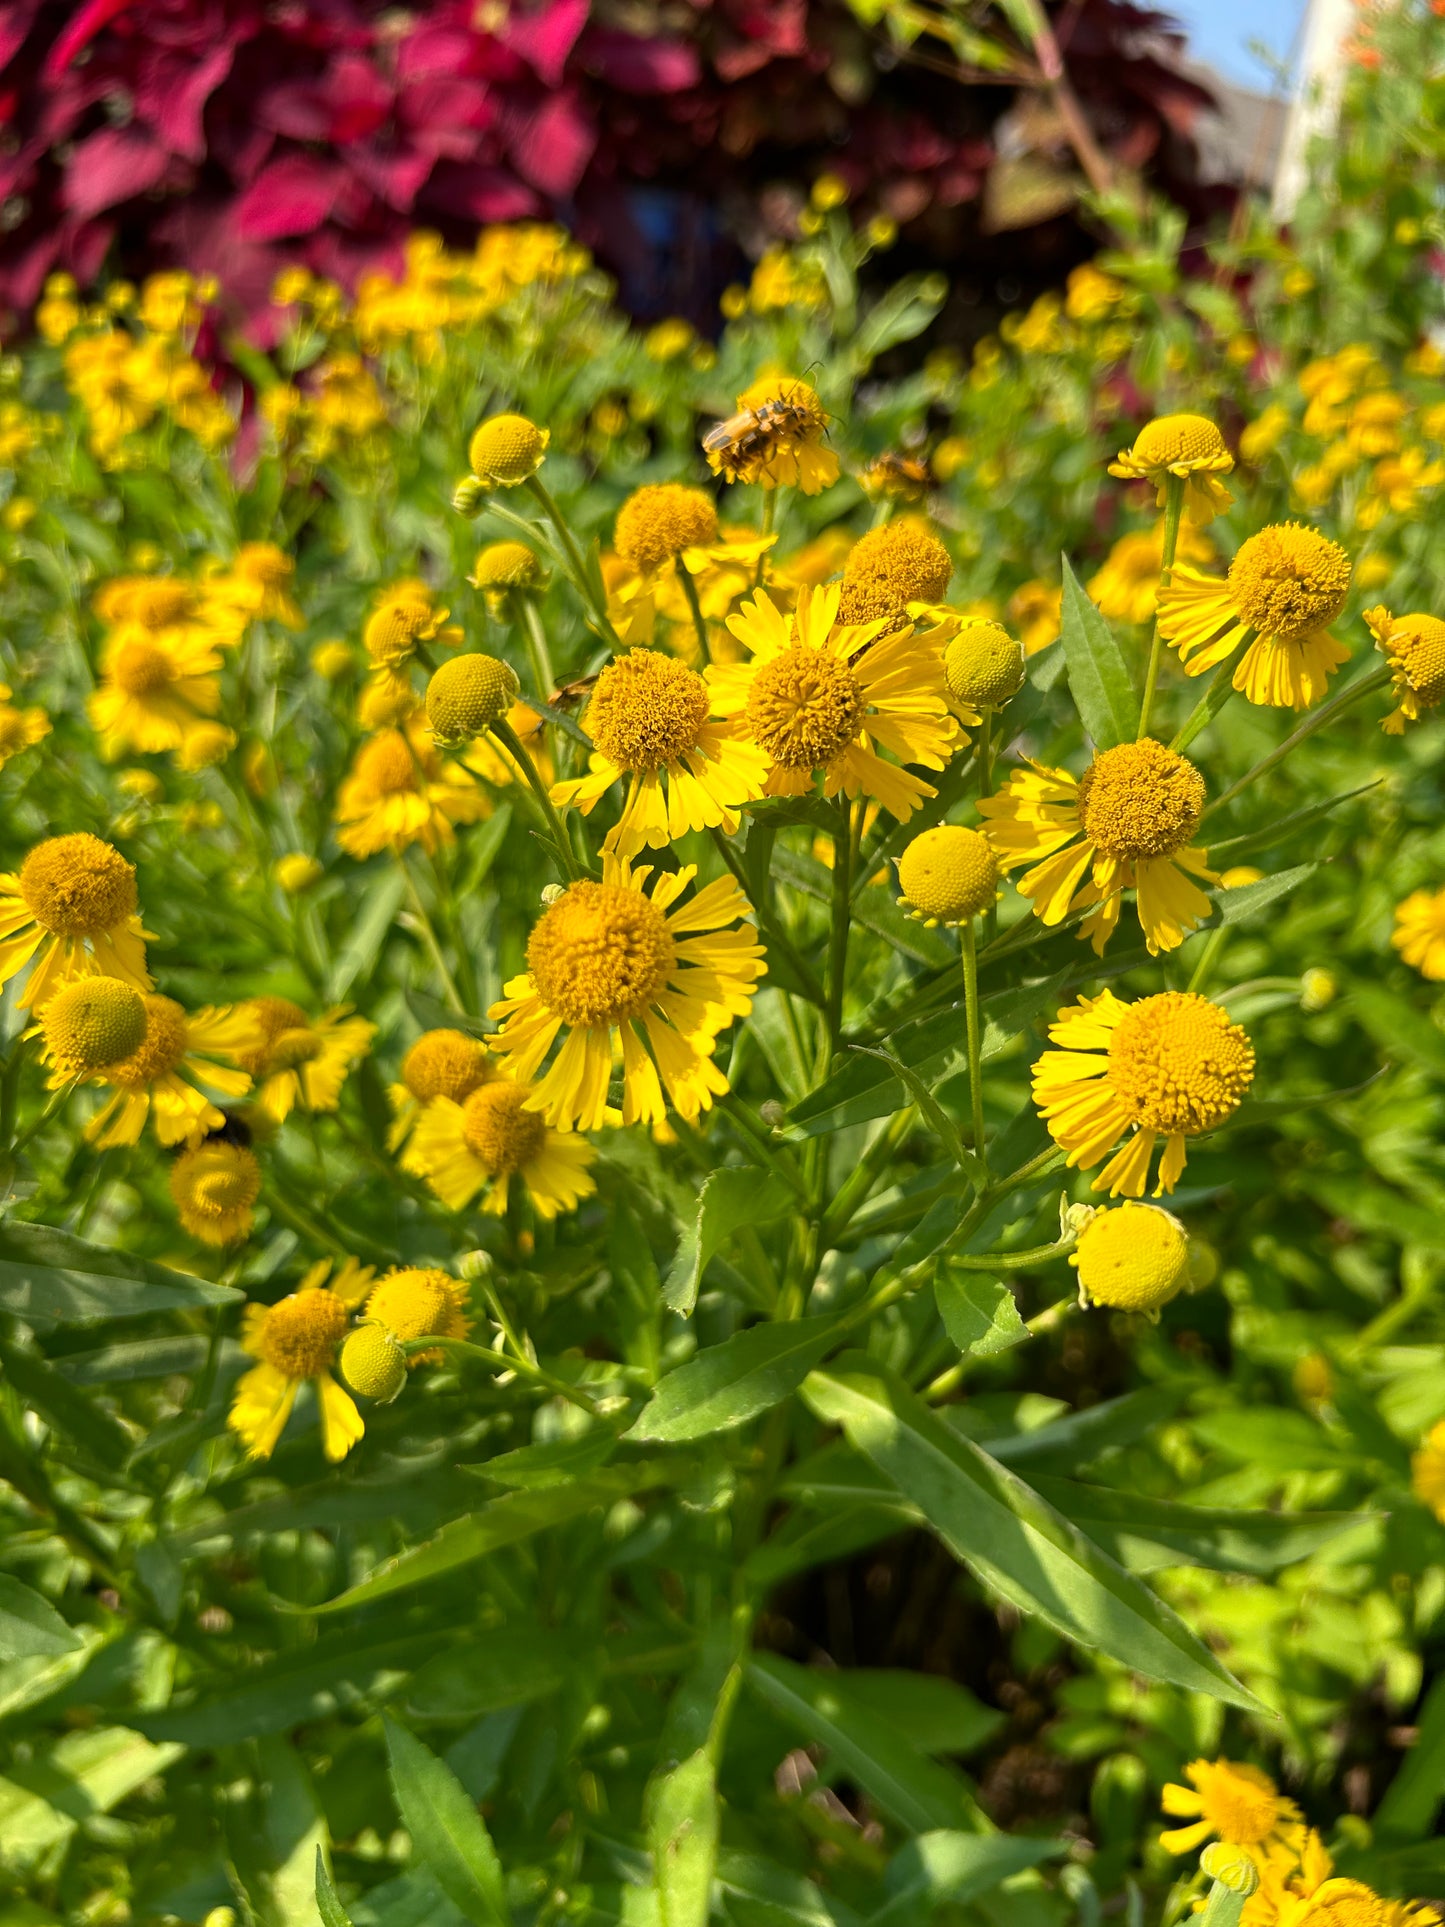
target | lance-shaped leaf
x=446, y=1829
x=727, y=1384
x=1099, y=678
x=682, y=1830
x=48, y=1277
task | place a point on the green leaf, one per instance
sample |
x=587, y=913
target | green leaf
x=332, y=1913
x=1248, y=903
x=954, y=1868
x=1099, y=678
x=779, y=1892
x=736, y=1195
x=727, y=1384
x=1404, y=1033
x=904, y=312
x=446, y=1829
x=276, y=1839
x=1069, y=1442
x=1415, y=1795
x=1275, y=1440
x=918, y=1793
x=980, y=1314
x=939, y=1122
x=70, y=1412
x=1011, y=1538
x=1149, y=1535
x=30, y=1627
x=357, y=956
x=682, y=1831
x=48, y=1277
x=1280, y=829
x=934, y=1714
x=801, y=1542
x=44, y=1798
x=530, y=1468
x=510, y=1666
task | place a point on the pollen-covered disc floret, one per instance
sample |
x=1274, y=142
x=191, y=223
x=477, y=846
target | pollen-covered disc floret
x=164, y=1041
x=78, y=886
x=948, y=874
x=983, y=665
x=647, y=709
x=1414, y=647
x=506, y=450
x=1232, y=1802
x=1185, y=447
x=656, y=523
x=1134, y=1258
x=804, y=708
x=92, y=1022
x=419, y=1302
x=1185, y=441
x=499, y=1131
x=469, y=694
x=600, y=954
x=214, y=1187
x=1289, y=581
x=444, y=1063
x=139, y=667
x=301, y=1333
x=1179, y=1063
x=1140, y=800
x=891, y=566
x=373, y=1364
x=506, y=565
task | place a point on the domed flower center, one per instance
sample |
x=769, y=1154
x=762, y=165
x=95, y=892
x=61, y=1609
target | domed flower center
x=92, y=1022
x=1347, y=1903
x=949, y=873
x=600, y=954
x=805, y=707
x=140, y=667
x=507, y=449
x=13, y=732
x=1140, y=799
x=1133, y=1259
x=498, y=1131
x=891, y=566
x=158, y=605
x=647, y=709
x=387, y=764
x=659, y=522
x=77, y=886
x=391, y=633
x=444, y=1063
x=1178, y=439
x=506, y=565
x=293, y=1048
x=1289, y=581
x=414, y=1303
x=1418, y=643
x=983, y=664
x=1179, y=1063
x=301, y=1333
x=161, y=1050
x=468, y=694
x=373, y=1364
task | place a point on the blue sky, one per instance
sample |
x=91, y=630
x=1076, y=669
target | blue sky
x=1219, y=30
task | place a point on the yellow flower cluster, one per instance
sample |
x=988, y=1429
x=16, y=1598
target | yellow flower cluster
x=126, y=380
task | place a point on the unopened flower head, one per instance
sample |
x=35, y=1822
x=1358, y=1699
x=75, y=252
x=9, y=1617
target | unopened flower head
x=373, y=1364
x=1134, y=1258
x=983, y=667
x=503, y=566
x=507, y=450
x=948, y=874
x=92, y=1022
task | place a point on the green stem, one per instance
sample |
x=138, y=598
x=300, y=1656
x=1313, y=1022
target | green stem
x=508, y=1362
x=1173, y=508
x=582, y=581
x=1013, y=1260
x=1209, y=957
x=1363, y=686
x=538, y=652
x=40, y=1123
x=857, y=1187
x=1221, y=688
x=699, y=621
x=733, y=1107
x=429, y=938
x=769, y=924
x=517, y=750
x=975, y=1040
x=838, y=934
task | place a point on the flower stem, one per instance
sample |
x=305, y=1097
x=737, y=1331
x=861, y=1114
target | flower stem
x=517, y=750
x=1173, y=508
x=538, y=653
x=1362, y=686
x=768, y=924
x=699, y=622
x=429, y=937
x=507, y=1362
x=838, y=936
x=1221, y=688
x=576, y=560
x=969, y=945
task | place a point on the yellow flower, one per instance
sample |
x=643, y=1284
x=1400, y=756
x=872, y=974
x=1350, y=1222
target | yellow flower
x=1427, y=1471
x=1126, y=586
x=1126, y=824
x=180, y=1050
x=1285, y=586
x=502, y=567
x=400, y=792
x=1263, y=435
x=775, y=439
x=948, y=874
x=1091, y=293
x=1227, y=1801
x=419, y=1302
x=332, y=659
x=373, y=1363
x=72, y=907
x=611, y=962
x=667, y=340
x=1035, y=611
x=205, y=746
x=1419, y=934
x=1171, y=1066
x=89, y=1023
x=296, y=872
x=295, y=1061
x=215, y=1186
x=653, y=720
x=295, y=1341
x=404, y=618
x=480, y=1144
x=894, y=477
x=901, y=562
x=19, y=728
x=156, y=687
x=1298, y=1888
x=982, y=667
x=657, y=524
x=469, y=694
x=257, y=585
x=1134, y=1258
x=441, y=1063
x=1414, y=647
x=818, y=695
x=1189, y=447
x=506, y=450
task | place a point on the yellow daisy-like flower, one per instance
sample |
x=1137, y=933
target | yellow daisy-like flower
x=1126, y=586
x=405, y=617
x=298, y=1061
x=817, y=695
x=257, y=585
x=1285, y=587
x=179, y=1051
x=1419, y=933
x=441, y=1063
x=653, y=721
x=901, y=562
x=610, y=964
x=399, y=791
x=1135, y=1258
x=1299, y=1888
x=419, y=1302
x=948, y=875
x=776, y=438
x=1125, y=824
x=72, y=907
x=19, y=728
x=1187, y=446
x=1171, y=1066
x=1414, y=647
x=502, y=567
x=215, y=1186
x=156, y=687
x=1225, y=1800
x=296, y=1341
x=480, y=1144
x=1427, y=1471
